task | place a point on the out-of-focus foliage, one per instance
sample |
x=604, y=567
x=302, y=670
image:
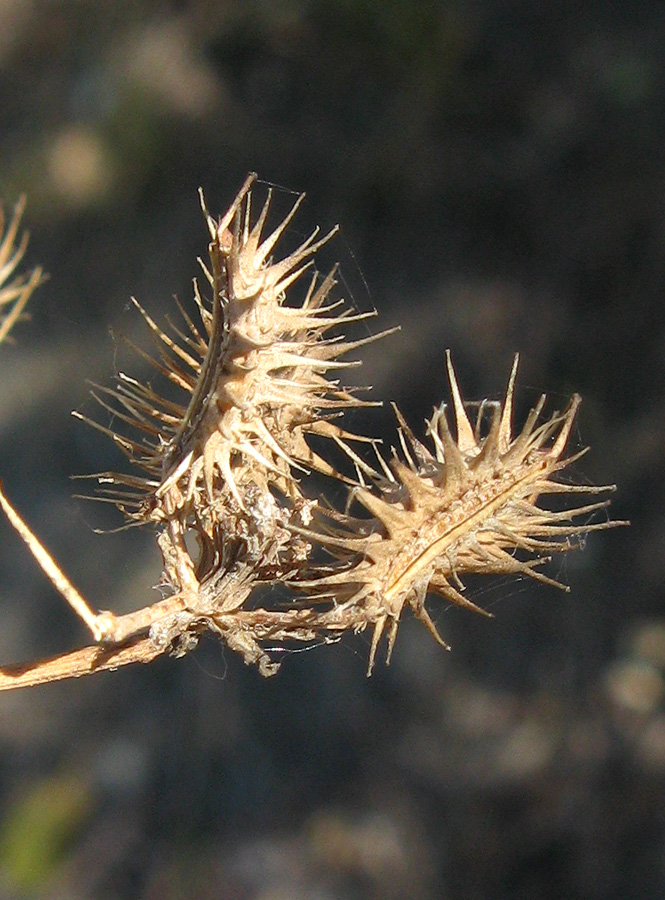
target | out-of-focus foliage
x=38, y=829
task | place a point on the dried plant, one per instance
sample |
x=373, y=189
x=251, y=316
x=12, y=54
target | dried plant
x=226, y=465
x=14, y=291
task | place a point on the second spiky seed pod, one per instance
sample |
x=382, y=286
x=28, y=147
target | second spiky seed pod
x=469, y=507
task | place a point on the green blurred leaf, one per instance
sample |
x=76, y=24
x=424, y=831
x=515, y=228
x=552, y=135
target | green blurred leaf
x=40, y=826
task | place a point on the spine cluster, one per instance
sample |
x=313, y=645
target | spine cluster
x=221, y=471
x=15, y=289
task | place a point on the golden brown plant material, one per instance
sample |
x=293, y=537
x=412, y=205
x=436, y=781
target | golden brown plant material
x=221, y=475
x=15, y=290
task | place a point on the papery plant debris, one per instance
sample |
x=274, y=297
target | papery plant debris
x=227, y=466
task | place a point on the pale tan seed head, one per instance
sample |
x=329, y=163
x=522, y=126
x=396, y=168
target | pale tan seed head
x=470, y=506
x=257, y=376
x=222, y=475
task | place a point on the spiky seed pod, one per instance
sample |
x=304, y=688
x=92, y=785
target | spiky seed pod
x=469, y=507
x=255, y=376
x=14, y=291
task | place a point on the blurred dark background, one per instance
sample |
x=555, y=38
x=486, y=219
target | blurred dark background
x=498, y=171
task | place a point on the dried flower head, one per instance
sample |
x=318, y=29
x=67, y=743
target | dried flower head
x=227, y=466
